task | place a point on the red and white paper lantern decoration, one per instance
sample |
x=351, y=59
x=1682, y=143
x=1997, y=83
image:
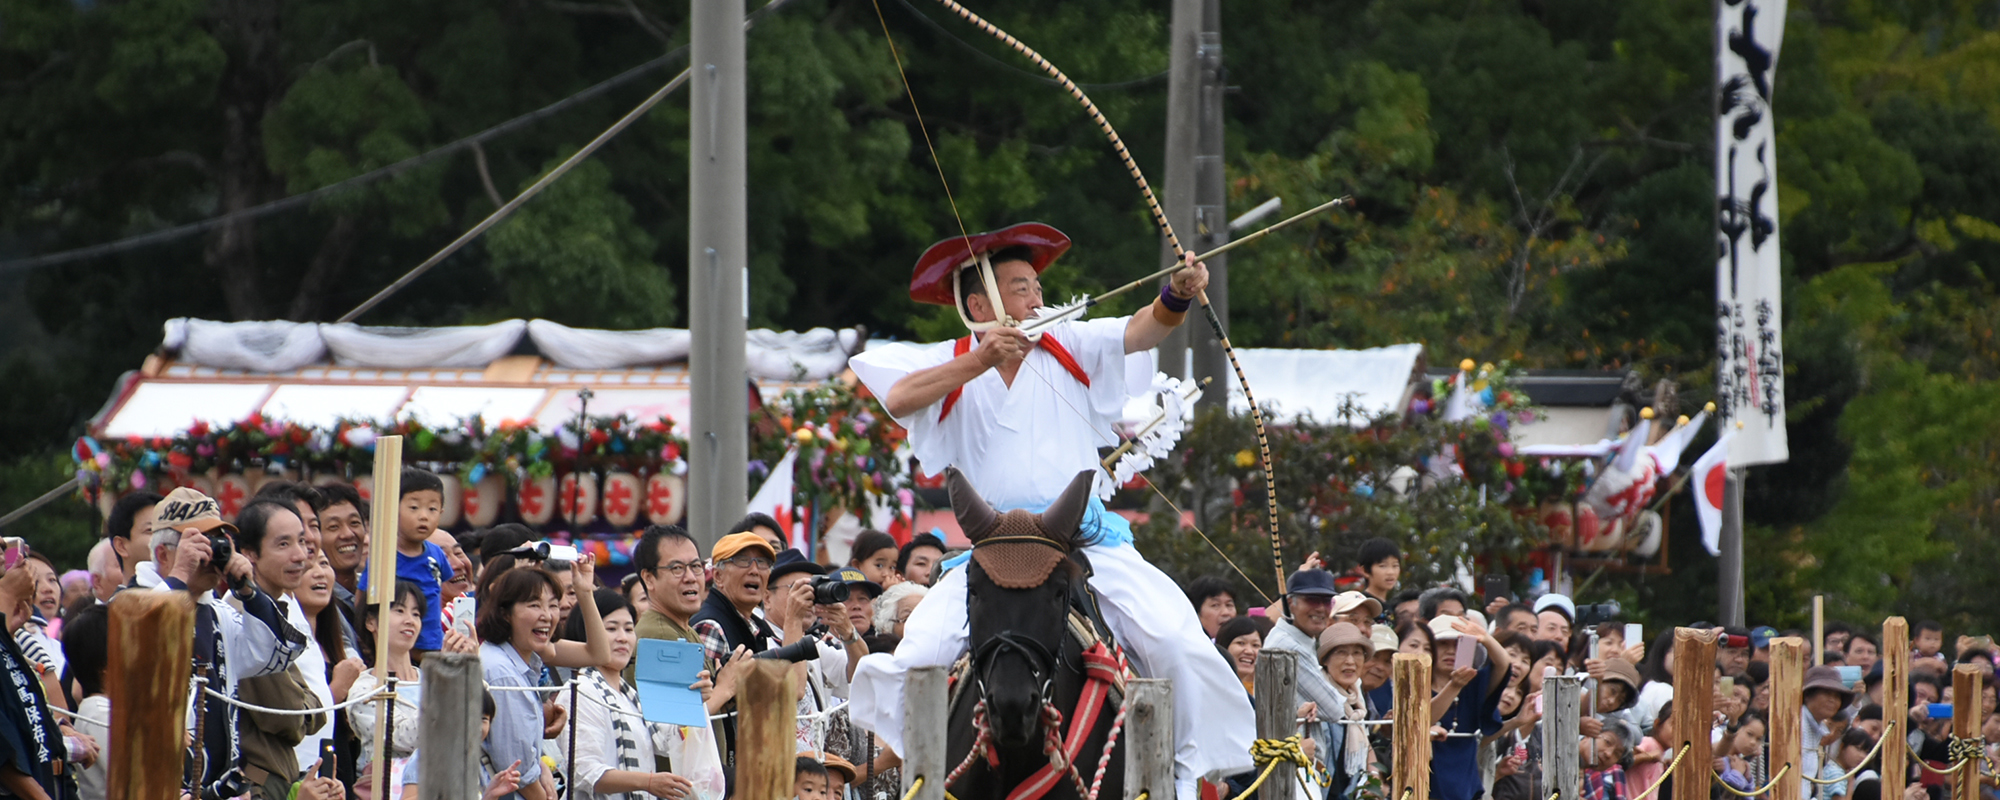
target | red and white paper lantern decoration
x=665, y=496
x=578, y=498
x=622, y=497
x=537, y=500
x=232, y=492
x=365, y=486
x=481, y=505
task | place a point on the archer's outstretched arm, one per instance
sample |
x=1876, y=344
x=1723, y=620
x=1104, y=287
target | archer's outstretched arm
x=1000, y=347
x=1151, y=325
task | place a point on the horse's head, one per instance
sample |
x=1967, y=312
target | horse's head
x=1019, y=586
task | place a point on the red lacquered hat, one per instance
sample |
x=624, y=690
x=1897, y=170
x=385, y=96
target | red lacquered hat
x=931, y=282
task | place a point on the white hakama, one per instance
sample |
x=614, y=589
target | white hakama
x=1020, y=446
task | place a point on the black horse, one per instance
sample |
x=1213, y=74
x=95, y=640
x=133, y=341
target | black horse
x=1030, y=612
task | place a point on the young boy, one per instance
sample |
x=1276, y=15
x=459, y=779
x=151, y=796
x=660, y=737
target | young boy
x=1382, y=562
x=1930, y=641
x=810, y=779
x=840, y=773
x=417, y=559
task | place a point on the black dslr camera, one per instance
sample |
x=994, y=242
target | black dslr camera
x=222, y=548
x=1599, y=613
x=830, y=590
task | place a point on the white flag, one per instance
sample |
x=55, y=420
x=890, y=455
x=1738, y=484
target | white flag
x=775, y=498
x=1749, y=315
x=1711, y=471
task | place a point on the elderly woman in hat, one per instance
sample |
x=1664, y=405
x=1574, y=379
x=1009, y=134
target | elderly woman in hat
x=1344, y=651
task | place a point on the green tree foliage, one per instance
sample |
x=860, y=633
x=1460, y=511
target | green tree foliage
x=1532, y=183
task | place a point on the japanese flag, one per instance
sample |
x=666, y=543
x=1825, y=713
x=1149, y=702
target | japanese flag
x=775, y=498
x=1710, y=473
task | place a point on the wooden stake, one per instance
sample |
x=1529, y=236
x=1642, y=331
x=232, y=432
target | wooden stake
x=1965, y=720
x=1277, y=710
x=1149, y=739
x=384, y=510
x=1788, y=667
x=150, y=654
x=1411, y=773
x=448, y=762
x=1694, y=702
x=1895, y=695
x=766, y=732
x=924, y=718
x=1562, y=705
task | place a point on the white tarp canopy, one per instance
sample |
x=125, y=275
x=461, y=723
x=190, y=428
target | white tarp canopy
x=1299, y=383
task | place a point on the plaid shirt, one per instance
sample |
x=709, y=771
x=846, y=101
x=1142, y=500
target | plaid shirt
x=714, y=645
x=1605, y=784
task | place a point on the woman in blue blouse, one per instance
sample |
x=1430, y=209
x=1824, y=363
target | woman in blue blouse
x=1465, y=704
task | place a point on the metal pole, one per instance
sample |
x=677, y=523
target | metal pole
x=718, y=263
x=1211, y=213
x=1729, y=595
x=1183, y=135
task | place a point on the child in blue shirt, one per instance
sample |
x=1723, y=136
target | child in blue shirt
x=417, y=560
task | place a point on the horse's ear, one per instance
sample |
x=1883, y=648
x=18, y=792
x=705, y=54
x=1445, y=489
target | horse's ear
x=975, y=517
x=1066, y=513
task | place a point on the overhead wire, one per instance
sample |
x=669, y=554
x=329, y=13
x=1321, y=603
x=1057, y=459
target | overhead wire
x=184, y=230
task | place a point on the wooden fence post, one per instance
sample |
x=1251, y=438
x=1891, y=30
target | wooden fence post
x=150, y=655
x=1787, y=724
x=1149, y=739
x=1694, y=702
x=1411, y=772
x=767, y=729
x=1896, y=696
x=1277, y=714
x=448, y=728
x=924, y=721
x=1965, y=721
x=1562, y=711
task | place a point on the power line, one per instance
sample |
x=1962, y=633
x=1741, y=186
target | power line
x=189, y=229
x=941, y=30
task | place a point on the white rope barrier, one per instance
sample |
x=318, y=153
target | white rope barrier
x=79, y=717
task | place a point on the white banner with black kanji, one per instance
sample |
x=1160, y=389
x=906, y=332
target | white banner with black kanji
x=1750, y=360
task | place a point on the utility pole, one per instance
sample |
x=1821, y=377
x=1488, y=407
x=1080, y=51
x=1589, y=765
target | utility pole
x=1197, y=193
x=718, y=266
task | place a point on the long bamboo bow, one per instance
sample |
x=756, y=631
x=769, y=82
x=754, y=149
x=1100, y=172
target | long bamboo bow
x=1166, y=227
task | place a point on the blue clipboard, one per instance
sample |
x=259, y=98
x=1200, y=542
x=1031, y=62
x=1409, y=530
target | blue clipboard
x=664, y=671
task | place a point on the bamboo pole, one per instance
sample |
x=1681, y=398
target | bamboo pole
x=150, y=653
x=1694, y=703
x=1819, y=630
x=384, y=510
x=1895, y=703
x=1788, y=666
x=766, y=734
x=1965, y=720
x=1412, y=730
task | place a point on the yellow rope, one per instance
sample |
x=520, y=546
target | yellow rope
x=1926, y=765
x=1663, y=775
x=1758, y=791
x=1274, y=752
x=1888, y=729
x=915, y=786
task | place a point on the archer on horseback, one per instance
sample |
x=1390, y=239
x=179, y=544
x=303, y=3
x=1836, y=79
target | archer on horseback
x=1020, y=415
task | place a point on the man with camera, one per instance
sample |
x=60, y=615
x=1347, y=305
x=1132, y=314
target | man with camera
x=239, y=632
x=809, y=610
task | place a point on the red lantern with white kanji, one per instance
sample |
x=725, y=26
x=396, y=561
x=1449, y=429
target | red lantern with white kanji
x=665, y=496
x=482, y=504
x=622, y=496
x=577, y=497
x=537, y=499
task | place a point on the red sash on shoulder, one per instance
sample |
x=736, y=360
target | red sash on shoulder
x=1048, y=344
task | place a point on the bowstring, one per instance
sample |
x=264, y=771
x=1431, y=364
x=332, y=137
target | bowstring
x=922, y=128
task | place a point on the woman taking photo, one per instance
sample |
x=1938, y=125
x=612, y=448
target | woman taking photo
x=1465, y=699
x=517, y=624
x=615, y=746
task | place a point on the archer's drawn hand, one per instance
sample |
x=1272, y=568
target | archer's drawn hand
x=1189, y=283
x=1002, y=347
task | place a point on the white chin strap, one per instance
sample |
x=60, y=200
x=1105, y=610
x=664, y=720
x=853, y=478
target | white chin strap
x=992, y=286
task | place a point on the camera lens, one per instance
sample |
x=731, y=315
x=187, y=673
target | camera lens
x=830, y=590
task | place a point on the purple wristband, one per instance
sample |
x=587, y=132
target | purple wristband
x=1172, y=303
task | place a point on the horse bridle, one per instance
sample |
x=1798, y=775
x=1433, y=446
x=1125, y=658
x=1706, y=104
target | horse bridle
x=1041, y=662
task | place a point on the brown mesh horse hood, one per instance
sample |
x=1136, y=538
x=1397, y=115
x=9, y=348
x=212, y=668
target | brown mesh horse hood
x=1018, y=549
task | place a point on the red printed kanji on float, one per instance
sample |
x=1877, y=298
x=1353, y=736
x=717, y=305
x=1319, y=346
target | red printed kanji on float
x=230, y=497
x=532, y=498
x=617, y=499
